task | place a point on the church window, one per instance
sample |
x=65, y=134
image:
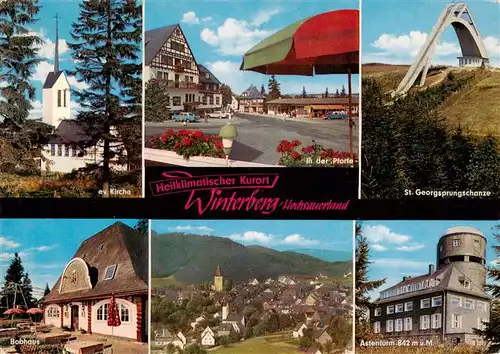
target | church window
x=66, y=150
x=124, y=313
x=59, y=94
x=110, y=272
x=59, y=150
x=52, y=150
x=73, y=151
x=102, y=312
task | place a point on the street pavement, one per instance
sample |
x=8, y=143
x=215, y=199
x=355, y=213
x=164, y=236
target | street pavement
x=259, y=136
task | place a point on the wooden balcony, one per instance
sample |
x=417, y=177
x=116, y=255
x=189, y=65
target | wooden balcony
x=182, y=85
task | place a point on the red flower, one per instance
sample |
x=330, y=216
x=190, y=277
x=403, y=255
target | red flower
x=296, y=143
x=176, y=145
x=197, y=134
x=218, y=144
x=323, y=154
x=164, y=137
x=309, y=148
x=182, y=132
x=206, y=139
x=187, y=142
x=170, y=132
x=295, y=155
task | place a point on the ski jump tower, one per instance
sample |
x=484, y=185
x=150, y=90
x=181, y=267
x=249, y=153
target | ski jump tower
x=474, y=53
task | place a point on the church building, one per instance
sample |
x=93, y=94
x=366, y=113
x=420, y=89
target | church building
x=218, y=280
x=113, y=262
x=64, y=152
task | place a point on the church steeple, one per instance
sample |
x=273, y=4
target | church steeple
x=217, y=271
x=56, y=56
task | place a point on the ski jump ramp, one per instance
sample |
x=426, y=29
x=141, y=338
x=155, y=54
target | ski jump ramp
x=474, y=53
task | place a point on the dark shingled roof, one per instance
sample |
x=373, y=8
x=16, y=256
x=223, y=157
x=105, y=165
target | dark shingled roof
x=203, y=79
x=51, y=79
x=71, y=132
x=252, y=93
x=123, y=246
x=155, y=39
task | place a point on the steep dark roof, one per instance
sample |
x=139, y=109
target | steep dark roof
x=51, y=79
x=155, y=39
x=123, y=246
x=211, y=78
x=71, y=131
x=252, y=93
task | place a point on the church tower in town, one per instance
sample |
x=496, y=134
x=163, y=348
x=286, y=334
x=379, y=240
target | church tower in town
x=218, y=280
x=56, y=91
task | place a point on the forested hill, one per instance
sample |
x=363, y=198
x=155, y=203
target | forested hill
x=192, y=259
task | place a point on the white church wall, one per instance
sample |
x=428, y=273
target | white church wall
x=53, y=110
x=125, y=329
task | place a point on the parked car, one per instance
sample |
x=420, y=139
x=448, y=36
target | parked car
x=337, y=116
x=185, y=117
x=218, y=114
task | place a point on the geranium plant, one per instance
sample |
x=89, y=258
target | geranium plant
x=188, y=143
x=313, y=155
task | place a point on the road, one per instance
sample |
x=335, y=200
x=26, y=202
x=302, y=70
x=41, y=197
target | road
x=258, y=136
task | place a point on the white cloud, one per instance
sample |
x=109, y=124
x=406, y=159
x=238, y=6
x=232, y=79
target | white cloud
x=190, y=18
x=410, y=248
x=191, y=228
x=297, y=239
x=377, y=247
x=74, y=83
x=47, y=49
x=234, y=37
x=229, y=73
x=264, y=16
x=6, y=243
x=37, y=110
x=41, y=248
x=206, y=19
x=409, y=44
x=253, y=236
x=381, y=233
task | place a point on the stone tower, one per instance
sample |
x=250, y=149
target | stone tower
x=218, y=280
x=56, y=93
x=464, y=248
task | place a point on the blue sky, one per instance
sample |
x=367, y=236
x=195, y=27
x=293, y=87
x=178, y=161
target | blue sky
x=45, y=27
x=219, y=33
x=46, y=245
x=394, y=30
x=277, y=234
x=406, y=248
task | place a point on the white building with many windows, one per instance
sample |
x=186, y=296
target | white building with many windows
x=113, y=262
x=446, y=304
x=191, y=86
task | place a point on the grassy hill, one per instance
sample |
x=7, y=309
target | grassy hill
x=192, y=259
x=326, y=255
x=476, y=107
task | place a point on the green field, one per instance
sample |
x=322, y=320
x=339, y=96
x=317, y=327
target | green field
x=475, y=108
x=337, y=280
x=272, y=344
x=164, y=282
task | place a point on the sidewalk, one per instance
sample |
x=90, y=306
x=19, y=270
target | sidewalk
x=289, y=119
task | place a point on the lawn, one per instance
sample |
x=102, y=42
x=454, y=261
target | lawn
x=475, y=108
x=422, y=350
x=337, y=280
x=271, y=344
x=164, y=282
x=56, y=186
